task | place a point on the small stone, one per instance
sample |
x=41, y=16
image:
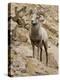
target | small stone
x=23, y=70
x=27, y=27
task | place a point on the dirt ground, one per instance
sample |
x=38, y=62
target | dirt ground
x=21, y=62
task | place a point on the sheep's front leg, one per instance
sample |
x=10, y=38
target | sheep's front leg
x=33, y=50
x=41, y=53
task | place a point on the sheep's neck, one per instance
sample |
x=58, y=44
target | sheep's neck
x=35, y=29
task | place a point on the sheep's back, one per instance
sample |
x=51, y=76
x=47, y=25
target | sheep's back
x=43, y=33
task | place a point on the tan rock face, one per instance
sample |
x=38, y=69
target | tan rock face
x=22, y=62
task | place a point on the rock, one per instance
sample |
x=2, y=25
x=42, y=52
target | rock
x=27, y=27
x=20, y=34
x=12, y=72
x=13, y=25
x=23, y=70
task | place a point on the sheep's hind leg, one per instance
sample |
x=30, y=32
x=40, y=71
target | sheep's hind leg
x=45, y=46
x=38, y=53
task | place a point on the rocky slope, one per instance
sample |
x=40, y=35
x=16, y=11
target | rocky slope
x=21, y=62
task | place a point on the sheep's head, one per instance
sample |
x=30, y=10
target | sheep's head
x=36, y=18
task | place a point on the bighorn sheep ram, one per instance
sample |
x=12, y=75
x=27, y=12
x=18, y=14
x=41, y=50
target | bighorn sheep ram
x=38, y=36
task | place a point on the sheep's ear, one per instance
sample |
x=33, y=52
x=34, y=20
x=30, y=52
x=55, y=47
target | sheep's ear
x=41, y=18
x=30, y=11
